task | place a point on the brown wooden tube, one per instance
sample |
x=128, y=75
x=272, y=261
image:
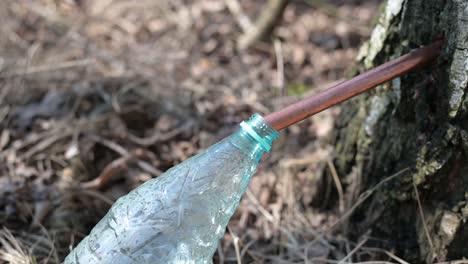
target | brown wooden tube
x=309, y=106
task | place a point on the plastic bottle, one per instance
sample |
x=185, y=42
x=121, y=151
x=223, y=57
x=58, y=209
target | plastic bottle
x=180, y=216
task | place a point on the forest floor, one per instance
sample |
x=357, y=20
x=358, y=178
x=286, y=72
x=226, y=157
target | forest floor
x=120, y=91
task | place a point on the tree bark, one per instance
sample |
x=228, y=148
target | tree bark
x=420, y=122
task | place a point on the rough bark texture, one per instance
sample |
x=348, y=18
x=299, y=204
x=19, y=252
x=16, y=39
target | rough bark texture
x=419, y=121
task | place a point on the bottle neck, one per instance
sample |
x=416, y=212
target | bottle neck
x=260, y=131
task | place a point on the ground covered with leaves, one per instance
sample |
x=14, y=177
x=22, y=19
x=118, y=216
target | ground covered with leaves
x=97, y=97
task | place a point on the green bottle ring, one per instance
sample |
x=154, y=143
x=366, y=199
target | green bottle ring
x=256, y=136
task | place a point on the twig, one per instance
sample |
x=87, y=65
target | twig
x=41, y=146
x=235, y=241
x=461, y=261
x=265, y=24
x=109, y=144
x=108, y=173
x=333, y=11
x=51, y=244
x=362, y=262
x=97, y=195
x=123, y=152
x=4, y=112
x=157, y=138
x=388, y=253
x=338, y=185
x=395, y=257
x=33, y=138
x=44, y=68
x=236, y=10
x=364, y=197
x=355, y=249
x=114, y=168
x=269, y=217
x=423, y=219
x=279, y=66
x=246, y=248
x=220, y=254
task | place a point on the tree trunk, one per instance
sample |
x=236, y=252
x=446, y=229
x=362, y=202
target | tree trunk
x=419, y=122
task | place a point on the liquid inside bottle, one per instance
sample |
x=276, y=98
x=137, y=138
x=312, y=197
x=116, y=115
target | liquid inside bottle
x=180, y=216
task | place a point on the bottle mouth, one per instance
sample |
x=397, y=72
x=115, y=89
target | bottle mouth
x=260, y=130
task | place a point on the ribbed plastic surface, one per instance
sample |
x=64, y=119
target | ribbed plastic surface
x=180, y=216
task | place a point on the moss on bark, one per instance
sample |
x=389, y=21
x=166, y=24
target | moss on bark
x=418, y=121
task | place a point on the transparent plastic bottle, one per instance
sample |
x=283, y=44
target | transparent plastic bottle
x=180, y=216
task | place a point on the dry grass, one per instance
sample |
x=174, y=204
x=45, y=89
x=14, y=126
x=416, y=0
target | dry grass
x=12, y=251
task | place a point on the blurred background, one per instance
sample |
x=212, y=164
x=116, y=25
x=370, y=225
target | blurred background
x=97, y=97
